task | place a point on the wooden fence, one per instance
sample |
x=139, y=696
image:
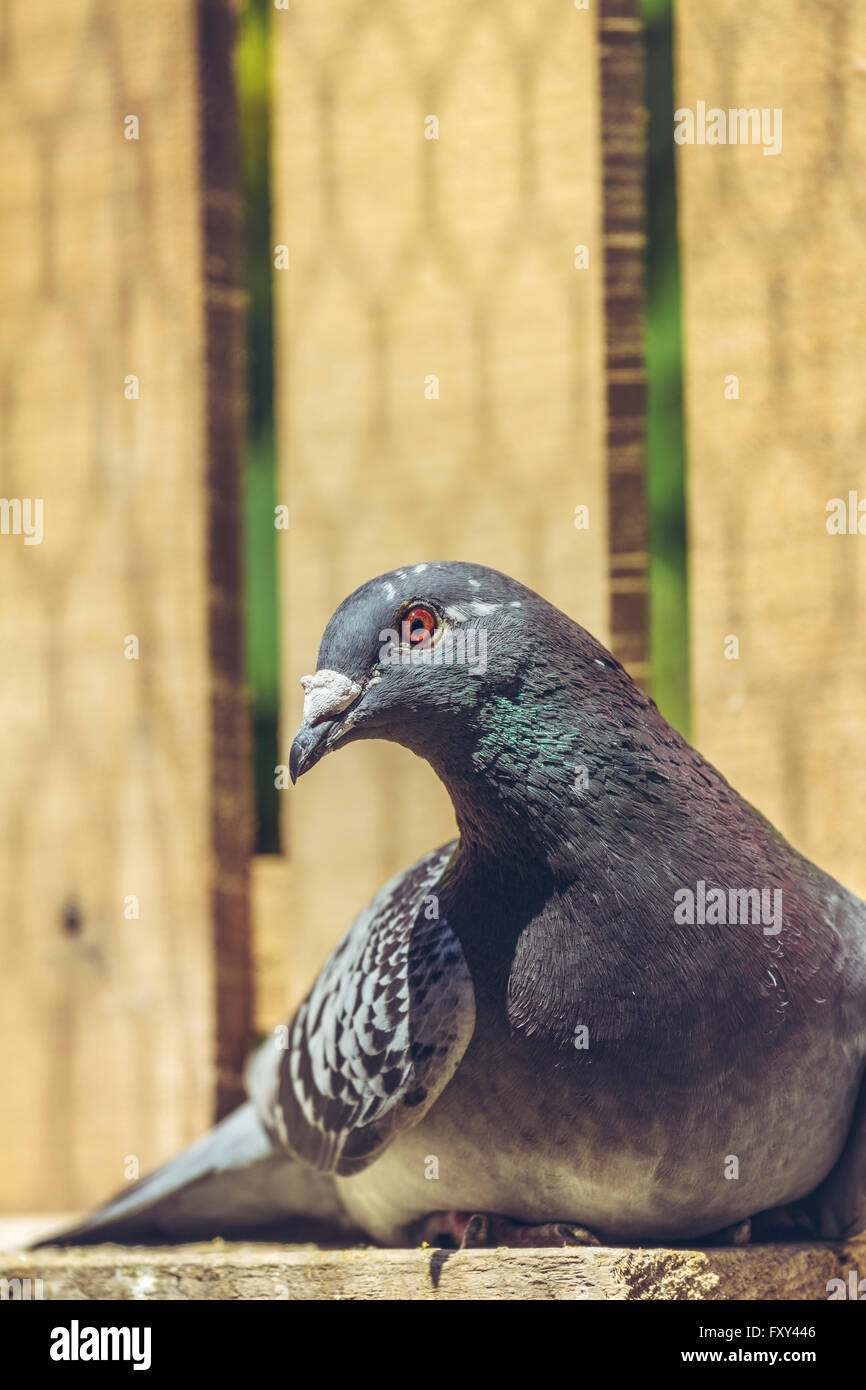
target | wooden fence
x=125, y=817
x=458, y=192
x=774, y=265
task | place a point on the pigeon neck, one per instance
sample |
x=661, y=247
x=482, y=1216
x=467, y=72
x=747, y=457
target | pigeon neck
x=515, y=810
x=496, y=823
x=547, y=781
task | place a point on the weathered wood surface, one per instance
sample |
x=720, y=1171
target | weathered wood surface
x=118, y=777
x=774, y=267
x=423, y=265
x=217, y=1271
x=274, y=965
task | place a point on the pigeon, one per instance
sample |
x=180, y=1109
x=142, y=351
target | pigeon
x=617, y=1008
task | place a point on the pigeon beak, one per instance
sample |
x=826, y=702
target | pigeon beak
x=327, y=695
x=307, y=749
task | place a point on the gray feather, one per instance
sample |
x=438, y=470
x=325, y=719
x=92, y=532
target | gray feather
x=379, y=1035
x=230, y=1180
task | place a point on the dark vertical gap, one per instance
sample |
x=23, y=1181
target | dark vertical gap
x=669, y=610
x=222, y=221
x=253, y=69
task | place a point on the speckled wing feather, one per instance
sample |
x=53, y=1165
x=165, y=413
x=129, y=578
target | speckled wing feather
x=378, y=1037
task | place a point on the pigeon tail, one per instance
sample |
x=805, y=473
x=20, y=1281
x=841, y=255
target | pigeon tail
x=230, y=1182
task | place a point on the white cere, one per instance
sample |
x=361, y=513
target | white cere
x=326, y=693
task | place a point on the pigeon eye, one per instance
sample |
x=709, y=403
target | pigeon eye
x=418, y=622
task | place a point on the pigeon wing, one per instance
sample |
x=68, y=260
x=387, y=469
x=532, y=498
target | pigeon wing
x=378, y=1037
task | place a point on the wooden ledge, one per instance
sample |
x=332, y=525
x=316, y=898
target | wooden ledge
x=224, y=1270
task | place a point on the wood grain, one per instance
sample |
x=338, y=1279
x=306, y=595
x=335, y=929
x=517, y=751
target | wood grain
x=622, y=147
x=221, y=215
x=774, y=268
x=273, y=959
x=278, y=1272
x=117, y=777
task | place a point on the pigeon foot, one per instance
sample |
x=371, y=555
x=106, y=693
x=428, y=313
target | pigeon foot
x=484, y=1230
x=793, y=1222
x=738, y=1234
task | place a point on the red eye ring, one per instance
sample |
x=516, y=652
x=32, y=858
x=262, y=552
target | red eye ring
x=417, y=623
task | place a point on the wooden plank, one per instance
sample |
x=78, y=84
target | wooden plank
x=774, y=265
x=273, y=959
x=279, y=1272
x=413, y=258
x=119, y=778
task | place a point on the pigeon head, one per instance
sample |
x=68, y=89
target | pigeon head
x=411, y=656
x=501, y=692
